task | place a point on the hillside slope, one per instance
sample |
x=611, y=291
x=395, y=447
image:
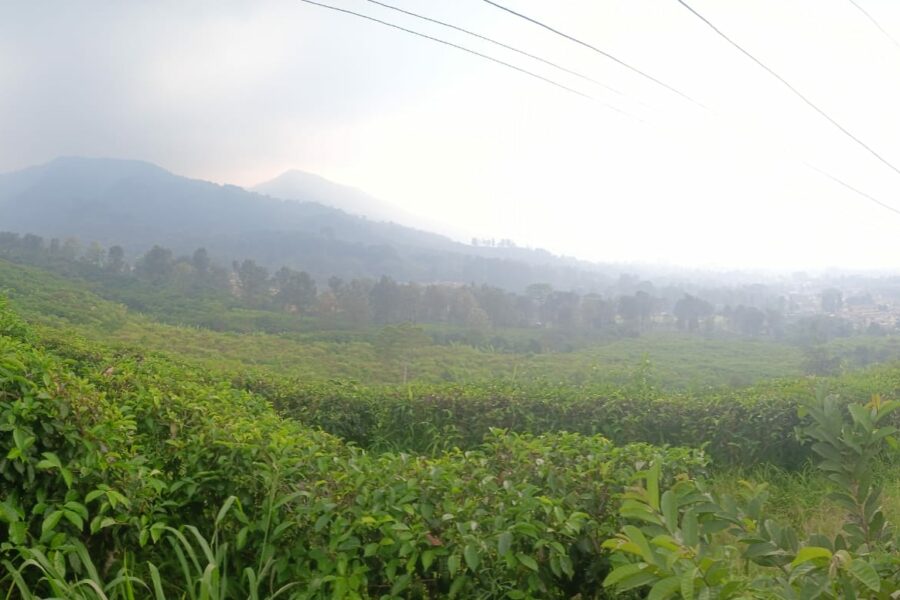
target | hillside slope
x=136, y=204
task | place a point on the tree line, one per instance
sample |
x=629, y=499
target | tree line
x=632, y=307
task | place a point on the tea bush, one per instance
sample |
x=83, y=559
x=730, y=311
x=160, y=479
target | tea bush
x=127, y=472
x=740, y=427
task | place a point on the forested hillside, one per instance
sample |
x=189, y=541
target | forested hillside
x=136, y=205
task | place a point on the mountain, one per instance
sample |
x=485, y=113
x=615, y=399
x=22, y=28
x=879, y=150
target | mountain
x=307, y=187
x=137, y=204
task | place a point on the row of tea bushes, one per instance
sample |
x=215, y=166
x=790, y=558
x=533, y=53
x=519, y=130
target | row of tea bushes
x=133, y=460
x=737, y=427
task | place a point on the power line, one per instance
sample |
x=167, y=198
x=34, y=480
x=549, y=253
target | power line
x=470, y=51
x=796, y=92
x=595, y=49
x=571, y=90
x=500, y=44
x=875, y=23
x=853, y=189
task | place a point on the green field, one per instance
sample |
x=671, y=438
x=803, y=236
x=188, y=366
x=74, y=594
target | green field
x=670, y=361
x=146, y=459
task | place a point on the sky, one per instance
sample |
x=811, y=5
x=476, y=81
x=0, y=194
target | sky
x=238, y=92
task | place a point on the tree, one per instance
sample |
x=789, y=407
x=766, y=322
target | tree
x=636, y=310
x=353, y=302
x=497, y=304
x=562, y=309
x=95, y=255
x=253, y=280
x=183, y=275
x=409, y=302
x=538, y=293
x=597, y=313
x=436, y=303
x=689, y=310
x=335, y=284
x=115, y=260
x=384, y=298
x=749, y=320
x=156, y=265
x=200, y=261
x=32, y=244
x=296, y=290
x=71, y=248
x=465, y=311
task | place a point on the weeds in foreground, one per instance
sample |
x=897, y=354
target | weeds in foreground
x=677, y=549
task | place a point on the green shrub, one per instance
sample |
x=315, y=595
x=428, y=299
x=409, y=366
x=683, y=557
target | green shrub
x=738, y=428
x=116, y=463
x=691, y=543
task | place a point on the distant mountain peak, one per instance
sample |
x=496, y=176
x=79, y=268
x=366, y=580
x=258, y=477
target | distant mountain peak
x=303, y=186
x=117, y=164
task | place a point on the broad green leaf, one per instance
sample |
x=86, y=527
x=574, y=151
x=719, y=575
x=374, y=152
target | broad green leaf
x=637, y=537
x=453, y=564
x=669, y=505
x=527, y=561
x=401, y=584
x=808, y=553
x=635, y=581
x=620, y=573
x=473, y=558
x=866, y=574
x=689, y=528
x=687, y=585
x=653, y=486
x=457, y=586
x=51, y=520
x=504, y=543
x=664, y=588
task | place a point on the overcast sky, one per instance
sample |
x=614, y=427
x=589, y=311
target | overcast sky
x=240, y=91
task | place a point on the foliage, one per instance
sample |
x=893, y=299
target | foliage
x=187, y=463
x=738, y=428
x=115, y=461
x=689, y=541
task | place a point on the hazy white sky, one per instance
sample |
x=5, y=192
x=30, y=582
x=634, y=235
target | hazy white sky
x=240, y=91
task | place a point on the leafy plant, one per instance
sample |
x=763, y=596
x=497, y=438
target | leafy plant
x=694, y=544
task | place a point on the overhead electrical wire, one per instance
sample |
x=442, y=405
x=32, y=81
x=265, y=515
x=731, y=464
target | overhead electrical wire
x=497, y=43
x=875, y=22
x=788, y=85
x=470, y=51
x=595, y=49
x=807, y=101
x=583, y=95
x=857, y=191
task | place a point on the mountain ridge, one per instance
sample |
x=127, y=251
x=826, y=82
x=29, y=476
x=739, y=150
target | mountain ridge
x=137, y=204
